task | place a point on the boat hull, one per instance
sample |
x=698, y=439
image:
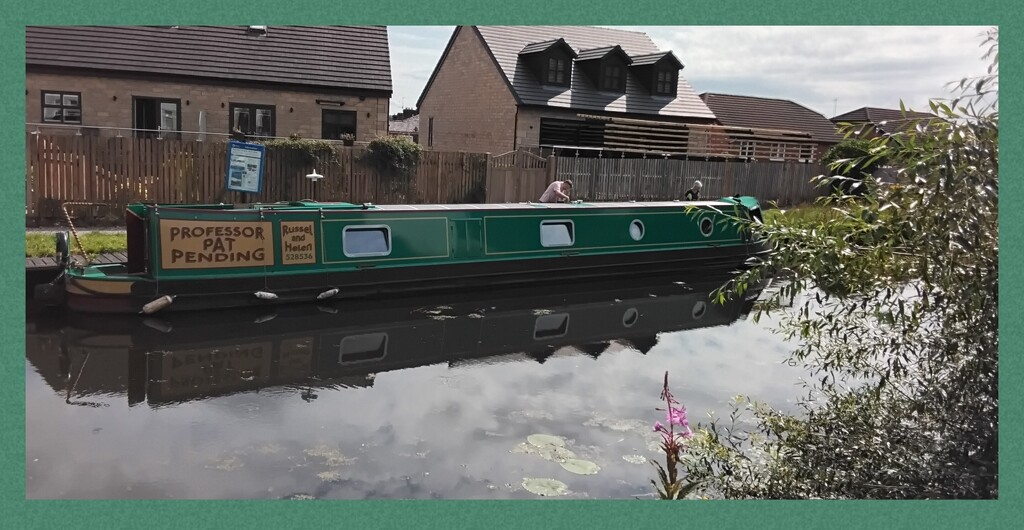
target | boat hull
x=186, y=258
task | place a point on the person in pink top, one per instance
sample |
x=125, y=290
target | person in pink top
x=557, y=191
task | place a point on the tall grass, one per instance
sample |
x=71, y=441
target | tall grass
x=44, y=245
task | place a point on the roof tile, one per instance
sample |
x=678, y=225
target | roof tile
x=768, y=113
x=353, y=57
x=505, y=43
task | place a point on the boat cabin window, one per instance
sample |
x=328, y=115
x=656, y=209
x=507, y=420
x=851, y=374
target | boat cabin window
x=361, y=241
x=636, y=230
x=706, y=226
x=362, y=348
x=557, y=234
x=551, y=326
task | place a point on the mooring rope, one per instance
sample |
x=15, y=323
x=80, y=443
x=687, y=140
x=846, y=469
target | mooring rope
x=74, y=232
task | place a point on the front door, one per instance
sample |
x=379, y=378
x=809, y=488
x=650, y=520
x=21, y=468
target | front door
x=157, y=117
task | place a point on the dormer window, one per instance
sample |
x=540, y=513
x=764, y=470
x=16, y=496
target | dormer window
x=613, y=78
x=658, y=72
x=557, y=71
x=549, y=61
x=666, y=83
x=605, y=67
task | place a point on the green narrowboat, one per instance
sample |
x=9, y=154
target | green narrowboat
x=188, y=257
x=323, y=346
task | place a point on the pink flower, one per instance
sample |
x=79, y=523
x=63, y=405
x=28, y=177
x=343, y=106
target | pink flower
x=677, y=416
x=658, y=427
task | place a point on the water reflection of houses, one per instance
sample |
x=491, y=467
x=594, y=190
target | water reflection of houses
x=204, y=355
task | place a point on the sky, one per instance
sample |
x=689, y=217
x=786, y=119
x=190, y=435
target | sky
x=829, y=69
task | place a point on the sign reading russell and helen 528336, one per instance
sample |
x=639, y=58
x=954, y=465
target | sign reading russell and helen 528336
x=245, y=167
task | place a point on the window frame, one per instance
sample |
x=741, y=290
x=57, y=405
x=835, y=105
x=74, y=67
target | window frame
x=62, y=93
x=671, y=82
x=564, y=222
x=253, y=107
x=366, y=228
x=777, y=152
x=620, y=77
x=553, y=63
x=323, y=122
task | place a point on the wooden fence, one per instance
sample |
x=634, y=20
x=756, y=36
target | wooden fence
x=518, y=176
x=113, y=172
x=623, y=179
x=110, y=173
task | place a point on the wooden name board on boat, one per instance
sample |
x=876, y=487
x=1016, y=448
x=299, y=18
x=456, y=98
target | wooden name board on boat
x=215, y=244
x=298, y=243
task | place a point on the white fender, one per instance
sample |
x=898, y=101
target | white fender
x=156, y=305
x=157, y=324
x=327, y=294
x=263, y=295
x=265, y=318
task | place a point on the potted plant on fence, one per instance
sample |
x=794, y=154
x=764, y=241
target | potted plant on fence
x=348, y=139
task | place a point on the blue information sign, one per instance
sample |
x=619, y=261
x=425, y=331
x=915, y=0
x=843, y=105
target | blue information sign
x=245, y=167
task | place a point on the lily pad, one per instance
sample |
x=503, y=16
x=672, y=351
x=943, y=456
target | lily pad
x=329, y=476
x=545, y=439
x=550, y=452
x=545, y=487
x=580, y=467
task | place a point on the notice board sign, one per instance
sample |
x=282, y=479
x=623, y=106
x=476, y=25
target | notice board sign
x=245, y=167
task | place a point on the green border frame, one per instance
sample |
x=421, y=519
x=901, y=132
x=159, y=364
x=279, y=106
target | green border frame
x=444, y=514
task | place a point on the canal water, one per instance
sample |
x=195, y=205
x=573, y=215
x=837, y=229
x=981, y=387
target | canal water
x=440, y=397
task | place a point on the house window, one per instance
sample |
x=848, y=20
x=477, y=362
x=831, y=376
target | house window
x=747, y=149
x=557, y=233
x=556, y=71
x=613, y=78
x=362, y=241
x=777, y=152
x=62, y=107
x=156, y=117
x=337, y=123
x=252, y=120
x=666, y=83
x=430, y=132
x=806, y=152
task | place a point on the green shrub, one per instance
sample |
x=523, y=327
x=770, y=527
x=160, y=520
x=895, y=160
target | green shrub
x=394, y=158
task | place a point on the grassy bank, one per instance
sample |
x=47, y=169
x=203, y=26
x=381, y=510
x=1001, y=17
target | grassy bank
x=808, y=212
x=43, y=245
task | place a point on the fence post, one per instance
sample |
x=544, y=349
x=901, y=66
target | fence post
x=488, y=188
x=728, y=185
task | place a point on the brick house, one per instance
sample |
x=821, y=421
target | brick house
x=498, y=89
x=405, y=123
x=886, y=121
x=317, y=82
x=773, y=129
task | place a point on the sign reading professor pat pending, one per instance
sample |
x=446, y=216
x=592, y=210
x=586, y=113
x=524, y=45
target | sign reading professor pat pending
x=215, y=244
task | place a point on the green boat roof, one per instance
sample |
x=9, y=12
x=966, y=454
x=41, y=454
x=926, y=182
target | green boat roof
x=141, y=208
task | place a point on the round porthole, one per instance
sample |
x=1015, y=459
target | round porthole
x=630, y=317
x=707, y=226
x=699, y=309
x=636, y=230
